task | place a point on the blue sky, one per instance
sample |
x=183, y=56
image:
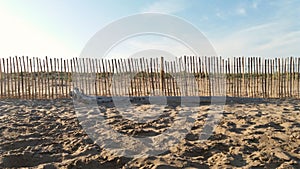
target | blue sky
x=61, y=28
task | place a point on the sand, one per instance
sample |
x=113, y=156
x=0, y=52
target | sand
x=252, y=134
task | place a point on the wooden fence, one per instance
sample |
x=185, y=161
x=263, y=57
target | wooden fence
x=36, y=78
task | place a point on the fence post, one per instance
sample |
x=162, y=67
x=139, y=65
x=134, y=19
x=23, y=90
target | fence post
x=162, y=74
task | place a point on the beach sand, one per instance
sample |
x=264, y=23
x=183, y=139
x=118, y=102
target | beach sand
x=47, y=134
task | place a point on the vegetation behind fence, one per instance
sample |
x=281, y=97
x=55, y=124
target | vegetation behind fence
x=36, y=78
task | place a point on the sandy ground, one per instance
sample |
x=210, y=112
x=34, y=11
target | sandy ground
x=47, y=134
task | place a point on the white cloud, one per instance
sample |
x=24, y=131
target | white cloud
x=241, y=11
x=255, y=4
x=166, y=6
x=279, y=36
x=269, y=40
x=220, y=14
x=259, y=27
x=225, y=14
x=283, y=42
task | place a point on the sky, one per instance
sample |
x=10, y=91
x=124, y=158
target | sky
x=62, y=28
